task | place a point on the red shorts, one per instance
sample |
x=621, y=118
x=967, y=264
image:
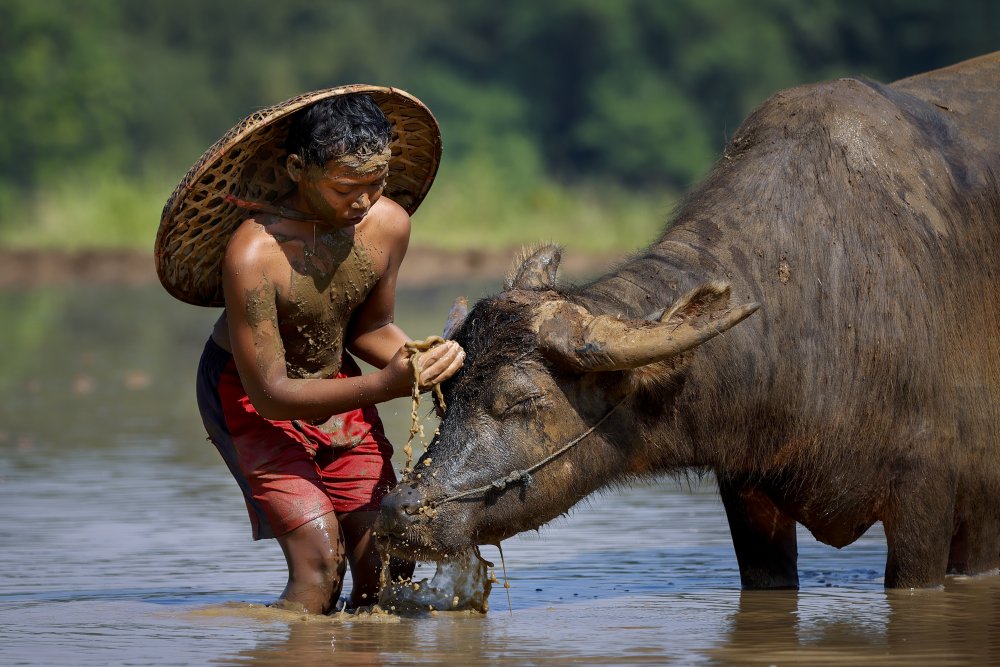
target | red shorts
x=292, y=472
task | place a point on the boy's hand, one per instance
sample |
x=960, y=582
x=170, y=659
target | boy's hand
x=436, y=365
x=439, y=363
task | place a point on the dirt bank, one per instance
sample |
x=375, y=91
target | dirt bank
x=423, y=267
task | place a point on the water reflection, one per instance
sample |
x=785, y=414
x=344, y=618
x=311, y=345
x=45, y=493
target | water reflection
x=368, y=643
x=123, y=540
x=956, y=626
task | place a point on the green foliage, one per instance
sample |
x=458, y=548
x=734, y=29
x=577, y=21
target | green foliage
x=538, y=97
x=63, y=99
x=470, y=206
x=92, y=210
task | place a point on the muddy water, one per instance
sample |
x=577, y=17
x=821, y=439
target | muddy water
x=124, y=541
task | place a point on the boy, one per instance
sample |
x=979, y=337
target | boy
x=310, y=276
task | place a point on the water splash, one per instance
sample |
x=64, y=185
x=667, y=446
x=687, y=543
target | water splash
x=461, y=583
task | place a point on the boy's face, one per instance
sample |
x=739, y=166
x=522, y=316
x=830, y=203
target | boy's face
x=340, y=192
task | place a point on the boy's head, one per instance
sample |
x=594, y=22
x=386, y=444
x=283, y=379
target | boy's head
x=242, y=172
x=350, y=129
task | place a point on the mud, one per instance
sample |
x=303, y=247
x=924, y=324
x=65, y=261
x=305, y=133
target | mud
x=329, y=280
x=462, y=583
x=366, y=164
x=416, y=349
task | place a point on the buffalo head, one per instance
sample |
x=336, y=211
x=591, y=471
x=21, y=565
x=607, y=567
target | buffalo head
x=549, y=407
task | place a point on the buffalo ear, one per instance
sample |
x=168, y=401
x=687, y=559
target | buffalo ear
x=456, y=317
x=534, y=269
x=700, y=305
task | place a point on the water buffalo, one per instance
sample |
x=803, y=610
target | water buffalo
x=864, y=219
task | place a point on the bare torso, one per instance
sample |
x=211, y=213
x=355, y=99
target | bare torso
x=328, y=275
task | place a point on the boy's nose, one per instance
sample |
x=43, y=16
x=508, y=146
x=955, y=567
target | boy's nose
x=361, y=202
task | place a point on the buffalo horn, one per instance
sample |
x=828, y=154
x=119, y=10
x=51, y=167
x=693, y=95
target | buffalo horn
x=456, y=316
x=570, y=335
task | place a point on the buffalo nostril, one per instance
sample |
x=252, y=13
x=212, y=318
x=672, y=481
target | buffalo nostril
x=399, y=508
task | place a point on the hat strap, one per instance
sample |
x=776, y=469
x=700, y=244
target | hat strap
x=264, y=207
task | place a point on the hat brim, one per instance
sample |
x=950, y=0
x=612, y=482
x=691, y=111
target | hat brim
x=248, y=164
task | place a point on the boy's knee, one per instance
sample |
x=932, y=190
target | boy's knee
x=316, y=550
x=332, y=568
x=318, y=566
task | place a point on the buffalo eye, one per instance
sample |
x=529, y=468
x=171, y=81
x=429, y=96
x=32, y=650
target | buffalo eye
x=525, y=404
x=515, y=391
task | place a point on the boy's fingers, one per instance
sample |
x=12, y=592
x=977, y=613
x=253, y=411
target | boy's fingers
x=437, y=353
x=457, y=361
x=429, y=373
x=450, y=355
x=453, y=368
x=430, y=356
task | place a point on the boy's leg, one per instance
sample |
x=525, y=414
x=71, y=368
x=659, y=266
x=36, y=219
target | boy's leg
x=274, y=464
x=315, y=555
x=363, y=556
x=357, y=471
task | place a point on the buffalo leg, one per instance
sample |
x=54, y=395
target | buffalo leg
x=919, y=523
x=975, y=547
x=763, y=536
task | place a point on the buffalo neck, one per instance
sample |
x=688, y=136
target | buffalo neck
x=707, y=242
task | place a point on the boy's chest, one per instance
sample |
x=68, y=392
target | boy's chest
x=315, y=309
x=326, y=287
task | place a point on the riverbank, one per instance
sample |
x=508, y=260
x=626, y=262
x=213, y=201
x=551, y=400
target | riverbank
x=22, y=268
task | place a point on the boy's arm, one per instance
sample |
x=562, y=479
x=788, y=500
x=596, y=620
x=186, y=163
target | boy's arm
x=252, y=268
x=373, y=334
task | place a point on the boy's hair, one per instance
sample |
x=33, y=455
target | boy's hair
x=337, y=126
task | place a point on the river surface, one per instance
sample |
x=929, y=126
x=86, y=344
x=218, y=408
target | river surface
x=124, y=541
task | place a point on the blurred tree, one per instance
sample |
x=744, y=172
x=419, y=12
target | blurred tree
x=640, y=91
x=64, y=89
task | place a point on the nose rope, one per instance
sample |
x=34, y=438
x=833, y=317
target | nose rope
x=524, y=476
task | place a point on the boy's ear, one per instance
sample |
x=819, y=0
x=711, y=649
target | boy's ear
x=294, y=165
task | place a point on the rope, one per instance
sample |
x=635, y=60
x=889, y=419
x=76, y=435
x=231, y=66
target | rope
x=264, y=207
x=524, y=476
x=416, y=349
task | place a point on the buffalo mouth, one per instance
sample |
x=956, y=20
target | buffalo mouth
x=418, y=543
x=411, y=548
x=409, y=527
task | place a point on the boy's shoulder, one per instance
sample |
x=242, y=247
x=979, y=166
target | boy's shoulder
x=391, y=216
x=252, y=237
x=256, y=248
x=388, y=224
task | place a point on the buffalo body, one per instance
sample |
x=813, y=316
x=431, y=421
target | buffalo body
x=864, y=220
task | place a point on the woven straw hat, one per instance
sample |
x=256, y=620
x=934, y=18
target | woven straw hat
x=248, y=165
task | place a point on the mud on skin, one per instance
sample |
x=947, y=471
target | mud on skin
x=327, y=283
